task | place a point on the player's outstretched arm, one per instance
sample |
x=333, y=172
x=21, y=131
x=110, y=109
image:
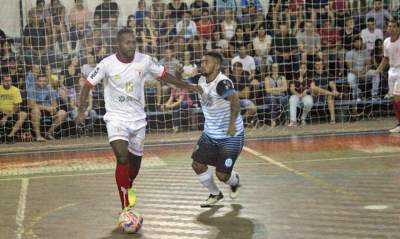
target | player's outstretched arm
x=235, y=110
x=83, y=103
x=180, y=83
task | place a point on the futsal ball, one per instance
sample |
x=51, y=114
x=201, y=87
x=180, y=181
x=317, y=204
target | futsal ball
x=130, y=221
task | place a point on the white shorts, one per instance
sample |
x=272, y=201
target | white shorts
x=133, y=132
x=394, y=81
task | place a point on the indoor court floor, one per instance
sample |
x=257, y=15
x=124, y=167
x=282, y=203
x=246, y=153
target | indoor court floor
x=331, y=187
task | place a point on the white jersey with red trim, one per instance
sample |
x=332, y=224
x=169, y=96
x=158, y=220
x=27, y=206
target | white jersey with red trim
x=392, y=51
x=124, y=85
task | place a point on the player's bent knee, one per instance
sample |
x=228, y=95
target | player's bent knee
x=122, y=160
x=199, y=168
x=222, y=176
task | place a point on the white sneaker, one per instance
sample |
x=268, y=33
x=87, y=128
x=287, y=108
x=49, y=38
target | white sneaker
x=212, y=200
x=395, y=129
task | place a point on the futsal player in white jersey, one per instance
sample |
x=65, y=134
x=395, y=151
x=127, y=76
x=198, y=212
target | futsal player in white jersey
x=222, y=139
x=124, y=75
x=391, y=55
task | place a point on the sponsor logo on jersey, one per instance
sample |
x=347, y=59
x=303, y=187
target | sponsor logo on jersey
x=228, y=162
x=94, y=74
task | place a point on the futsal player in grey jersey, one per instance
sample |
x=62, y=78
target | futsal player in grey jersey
x=223, y=136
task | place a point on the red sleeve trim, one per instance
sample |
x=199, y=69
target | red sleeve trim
x=88, y=83
x=163, y=73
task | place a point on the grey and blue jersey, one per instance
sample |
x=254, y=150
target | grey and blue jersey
x=217, y=108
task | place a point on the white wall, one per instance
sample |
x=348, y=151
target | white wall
x=9, y=21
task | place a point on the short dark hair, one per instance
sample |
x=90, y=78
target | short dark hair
x=395, y=20
x=215, y=55
x=124, y=31
x=371, y=19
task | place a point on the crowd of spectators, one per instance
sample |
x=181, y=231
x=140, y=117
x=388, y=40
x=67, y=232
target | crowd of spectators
x=293, y=56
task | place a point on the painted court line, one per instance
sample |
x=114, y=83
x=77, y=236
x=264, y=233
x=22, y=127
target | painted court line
x=307, y=176
x=19, y=219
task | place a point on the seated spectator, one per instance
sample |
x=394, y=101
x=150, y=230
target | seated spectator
x=276, y=98
x=176, y=9
x=221, y=6
x=240, y=38
x=217, y=41
x=205, y=26
x=96, y=97
x=167, y=31
x=7, y=50
x=198, y=7
x=228, y=25
x=105, y=11
x=189, y=67
x=301, y=96
x=324, y=89
x=179, y=99
x=186, y=27
x=170, y=63
x=141, y=13
x=380, y=14
x=42, y=101
x=10, y=100
x=358, y=70
x=241, y=82
x=79, y=19
x=370, y=34
x=148, y=36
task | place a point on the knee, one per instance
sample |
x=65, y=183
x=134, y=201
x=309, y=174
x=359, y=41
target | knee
x=199, y=168
x=122, y=159
x=223, y=177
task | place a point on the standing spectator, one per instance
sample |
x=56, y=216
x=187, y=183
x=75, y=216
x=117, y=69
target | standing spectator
x=105, y=11
x=10, y=100
x=247, y=61
x=79, y=19
x=286, y=50
x=35, y=41
x=228, y=25
x=186, y=27
x=40, y=11
x=301, y=96
x=43, y=103
x=370, y=34
x=276, y=98
x=380, y=14
x=358, y=65
x=158, y=13
x=57, y=12
x=348, y=33
x=205, y=26
x=221, y=6
x=176, y=9
x=309, y=42
x=198, y=7
x=141, y=13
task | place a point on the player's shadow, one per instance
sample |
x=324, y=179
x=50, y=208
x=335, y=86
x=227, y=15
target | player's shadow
x=230, y=225
x=118, y=234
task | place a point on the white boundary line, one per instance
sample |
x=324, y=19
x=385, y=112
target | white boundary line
x=19, y=219
x=306, y=176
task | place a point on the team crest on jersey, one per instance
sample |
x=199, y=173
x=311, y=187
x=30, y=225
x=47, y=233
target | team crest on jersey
x=228, y=162
x=117, y=77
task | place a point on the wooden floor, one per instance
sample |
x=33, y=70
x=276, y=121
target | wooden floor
x=298, y=187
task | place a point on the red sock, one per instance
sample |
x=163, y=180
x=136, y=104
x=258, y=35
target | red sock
x=124, y=182
x=396, y=109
